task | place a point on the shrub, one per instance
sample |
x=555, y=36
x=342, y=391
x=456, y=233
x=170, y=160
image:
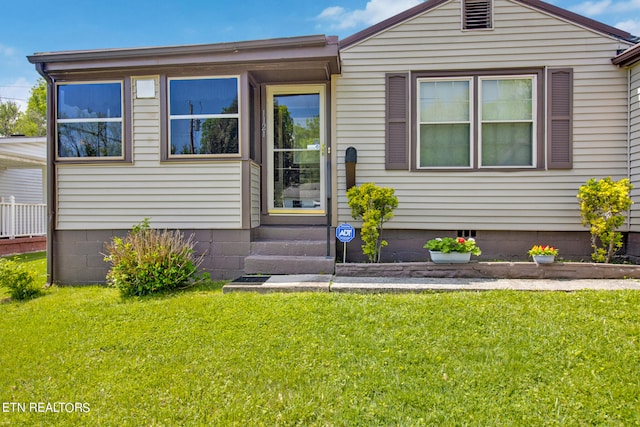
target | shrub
x=602, y=206
x=148, y=261
x=375, y=206
x=20, y=282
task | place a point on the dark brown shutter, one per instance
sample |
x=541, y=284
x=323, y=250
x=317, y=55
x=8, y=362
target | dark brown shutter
x=397, y=118
x=560, y=119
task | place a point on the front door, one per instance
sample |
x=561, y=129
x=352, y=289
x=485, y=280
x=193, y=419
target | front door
x=296, y=150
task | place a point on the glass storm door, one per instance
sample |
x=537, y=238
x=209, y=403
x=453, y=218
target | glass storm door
x=295, y=120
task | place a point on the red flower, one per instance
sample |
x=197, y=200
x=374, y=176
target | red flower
x=461, y=240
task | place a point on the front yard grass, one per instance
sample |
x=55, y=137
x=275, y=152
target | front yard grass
x=199, y=357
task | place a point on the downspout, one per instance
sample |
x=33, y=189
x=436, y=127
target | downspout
x=629, y=139
x=50, y=174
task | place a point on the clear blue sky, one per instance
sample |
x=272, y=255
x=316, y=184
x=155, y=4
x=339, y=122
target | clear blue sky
x=33, y=26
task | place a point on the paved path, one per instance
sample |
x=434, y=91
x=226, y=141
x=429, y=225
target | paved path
x=331, y=283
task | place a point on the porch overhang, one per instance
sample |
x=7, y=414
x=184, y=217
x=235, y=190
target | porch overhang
x=314, y=57
x=22, y=152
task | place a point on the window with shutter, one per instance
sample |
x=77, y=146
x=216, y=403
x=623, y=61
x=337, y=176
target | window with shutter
x=397, y=122
x=560, y=122
x=476, y=15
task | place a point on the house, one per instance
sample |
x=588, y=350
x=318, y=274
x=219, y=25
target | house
x=22, y=194
x=629, y=61
x=22, y=168
x=484, y=115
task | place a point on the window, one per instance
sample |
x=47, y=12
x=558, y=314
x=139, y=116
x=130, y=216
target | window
x=89, y=120
x=203, y=116
x=476, y=15
x=445, y=123
x=506, y=114
x=499, y=129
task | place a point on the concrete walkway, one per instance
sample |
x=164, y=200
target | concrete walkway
x=331, y=283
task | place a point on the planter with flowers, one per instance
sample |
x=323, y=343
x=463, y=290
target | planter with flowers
x=452, y=250
x=543, y=254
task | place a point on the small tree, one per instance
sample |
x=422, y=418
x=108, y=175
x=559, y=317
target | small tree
x=375, y=206
x=602, y=206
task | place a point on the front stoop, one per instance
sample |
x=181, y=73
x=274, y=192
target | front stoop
x=290, y=250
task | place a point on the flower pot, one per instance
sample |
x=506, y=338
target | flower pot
x=450, y=258
x=544, y=259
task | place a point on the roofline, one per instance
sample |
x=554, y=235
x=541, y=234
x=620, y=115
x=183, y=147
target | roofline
x=628, y=57
x=536, y=4
x=124, y=53
x=579, y=19
x=390, y=22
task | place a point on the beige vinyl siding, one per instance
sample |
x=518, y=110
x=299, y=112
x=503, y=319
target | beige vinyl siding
x=195, y=195
x=484, y=200
x=255, y=195
x=634, y=117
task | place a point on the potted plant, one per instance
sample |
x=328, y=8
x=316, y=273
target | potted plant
x=452, y=250
x=543, y=254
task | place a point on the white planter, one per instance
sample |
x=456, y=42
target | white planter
x=544, y=259
x=450, y=258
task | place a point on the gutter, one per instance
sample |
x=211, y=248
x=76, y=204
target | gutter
x=50, y=174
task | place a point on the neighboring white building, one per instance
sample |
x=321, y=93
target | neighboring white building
x=22, y=168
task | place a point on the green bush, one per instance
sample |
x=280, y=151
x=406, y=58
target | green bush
x=147, y=261
x=603, y=204
x=375, y=206
x=20, y=282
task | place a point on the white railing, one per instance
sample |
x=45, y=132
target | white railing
x=22, y=219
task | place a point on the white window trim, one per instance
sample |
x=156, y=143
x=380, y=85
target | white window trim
x=471, y=121
x=92, y=120
x=203, y=116
x=533, y=121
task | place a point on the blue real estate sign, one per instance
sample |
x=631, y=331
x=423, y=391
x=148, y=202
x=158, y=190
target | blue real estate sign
x=345, y=233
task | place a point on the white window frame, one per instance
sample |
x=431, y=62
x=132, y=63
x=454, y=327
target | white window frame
x=471, y=120
x=533, y=121
x=171, y=117
x=92, y=120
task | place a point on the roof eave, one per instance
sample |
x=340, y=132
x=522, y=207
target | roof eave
x=281, y=49
x=628, y=57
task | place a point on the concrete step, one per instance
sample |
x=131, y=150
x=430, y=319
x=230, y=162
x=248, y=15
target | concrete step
x=289, y=247
x=283, y=264
x=290, y=232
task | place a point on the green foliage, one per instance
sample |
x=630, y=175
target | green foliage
x=603, y=204
x=201, y=358
x=374, y=205
x=9, y=114
x=19, y=280
x=148, y=261
x=449, y=244
x=33, y=122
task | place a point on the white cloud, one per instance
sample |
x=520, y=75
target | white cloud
x=17, y=91
x=593, y=8
x=632, y=26
x=374, y=11
x=7, y=50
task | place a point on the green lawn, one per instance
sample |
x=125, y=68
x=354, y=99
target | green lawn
x=203, y=358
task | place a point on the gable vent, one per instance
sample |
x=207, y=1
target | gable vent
x=476, y=14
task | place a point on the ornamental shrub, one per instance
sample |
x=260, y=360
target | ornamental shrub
x=374, y=205
x=147, y=261
x=603, y=204
x=20, y=282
